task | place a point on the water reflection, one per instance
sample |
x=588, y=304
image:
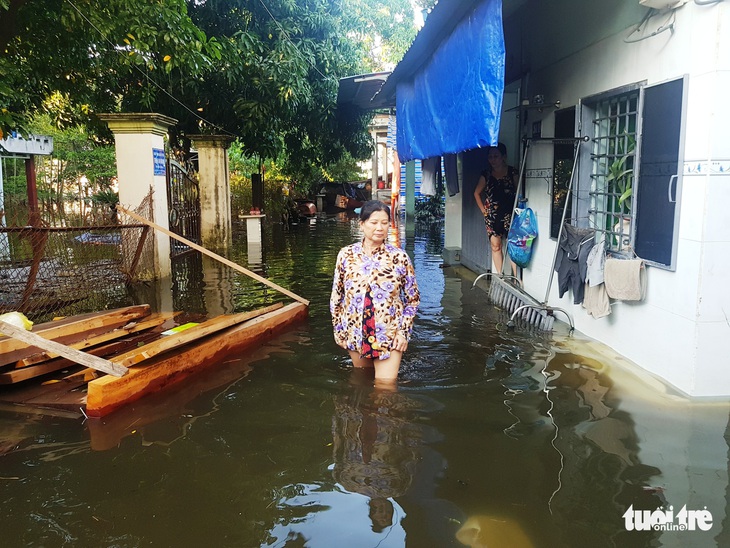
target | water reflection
x=373, y=446
x=490, y=531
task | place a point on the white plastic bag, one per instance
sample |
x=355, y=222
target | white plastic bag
x=17, y=319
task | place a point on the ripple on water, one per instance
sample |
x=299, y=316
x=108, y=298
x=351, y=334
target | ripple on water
x=487, y=425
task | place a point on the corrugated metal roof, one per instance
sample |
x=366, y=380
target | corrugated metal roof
x=359, y=90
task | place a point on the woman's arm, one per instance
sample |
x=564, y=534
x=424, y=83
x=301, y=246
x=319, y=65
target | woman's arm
x=411, y=300
x=338, y=296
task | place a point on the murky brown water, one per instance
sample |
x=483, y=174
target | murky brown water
x=493, y=438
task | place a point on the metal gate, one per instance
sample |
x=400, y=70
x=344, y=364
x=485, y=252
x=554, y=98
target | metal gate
x=183, y=198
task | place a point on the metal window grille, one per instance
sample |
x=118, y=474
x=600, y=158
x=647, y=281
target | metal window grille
x=612, y=168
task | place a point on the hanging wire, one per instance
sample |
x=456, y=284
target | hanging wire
x=666, y=25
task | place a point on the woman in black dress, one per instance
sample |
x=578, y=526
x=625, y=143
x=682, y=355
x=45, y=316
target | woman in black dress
x=495, y=196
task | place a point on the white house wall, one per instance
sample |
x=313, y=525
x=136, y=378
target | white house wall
x=575, y=49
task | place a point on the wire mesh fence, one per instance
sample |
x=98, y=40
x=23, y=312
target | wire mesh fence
x=48, y=271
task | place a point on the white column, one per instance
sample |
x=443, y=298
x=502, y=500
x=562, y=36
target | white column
x=452, y=222
x=215, y=192
x=141, y=167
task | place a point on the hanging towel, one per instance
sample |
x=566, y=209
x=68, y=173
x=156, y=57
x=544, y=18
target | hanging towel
x=595, y=300
x=428, y=175
x=452, y=174
x=596, y=263
x=625, y=279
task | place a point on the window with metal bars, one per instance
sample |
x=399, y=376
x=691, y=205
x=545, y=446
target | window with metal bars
x=613, y=159
x=630, y=176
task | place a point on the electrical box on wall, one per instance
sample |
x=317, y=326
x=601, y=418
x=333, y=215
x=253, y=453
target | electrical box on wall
x=662, y=4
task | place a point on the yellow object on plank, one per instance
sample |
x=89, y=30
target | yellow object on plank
x=189, y=335
x=179, y=328
x=18, y=319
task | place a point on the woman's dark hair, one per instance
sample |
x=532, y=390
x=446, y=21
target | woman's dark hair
x=370, y=207
x=501, y=148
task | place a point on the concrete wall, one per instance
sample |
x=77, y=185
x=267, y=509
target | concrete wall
x=571, y=49
x=475, y=253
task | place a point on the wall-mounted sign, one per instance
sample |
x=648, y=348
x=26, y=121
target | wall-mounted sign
x=31, y=144
x=158, y=159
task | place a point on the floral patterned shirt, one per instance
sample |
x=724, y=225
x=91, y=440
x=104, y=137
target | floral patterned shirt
x=389, y=276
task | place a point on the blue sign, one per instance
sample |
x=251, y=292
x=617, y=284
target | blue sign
x=158, y=159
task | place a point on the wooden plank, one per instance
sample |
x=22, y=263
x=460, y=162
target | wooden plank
x=15, y=376
x=133, y=327
x=189, y=335
x=33, y=339
x=71, y=330
x=19, y=375
x=215, y=256
x=109, y=393
x=60, y=395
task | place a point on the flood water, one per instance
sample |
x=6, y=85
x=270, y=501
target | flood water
x=493, y=438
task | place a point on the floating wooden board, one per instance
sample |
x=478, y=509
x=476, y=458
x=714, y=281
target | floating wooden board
x=189, y=335
x=112, y=347
x=70, y=330
x=108, y=393
x=173, y=405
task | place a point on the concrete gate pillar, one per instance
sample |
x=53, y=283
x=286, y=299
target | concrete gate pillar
x=141, y=166
x=215, y=192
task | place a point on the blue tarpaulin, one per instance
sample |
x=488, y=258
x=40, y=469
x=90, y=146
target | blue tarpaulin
x=454, y=103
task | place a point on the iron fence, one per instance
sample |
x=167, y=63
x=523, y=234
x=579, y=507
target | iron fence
x=48, y=271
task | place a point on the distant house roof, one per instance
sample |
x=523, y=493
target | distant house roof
x=361, y=89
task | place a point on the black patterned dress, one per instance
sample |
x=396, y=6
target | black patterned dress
x=499, y=199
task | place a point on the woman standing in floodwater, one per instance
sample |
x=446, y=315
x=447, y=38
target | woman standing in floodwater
x=374, y=296
x=495, y=197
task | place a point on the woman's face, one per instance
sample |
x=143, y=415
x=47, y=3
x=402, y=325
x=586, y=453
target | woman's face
x=375, y=227
x=495, y=158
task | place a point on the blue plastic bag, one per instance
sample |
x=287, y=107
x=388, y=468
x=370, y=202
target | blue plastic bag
x=522, y=234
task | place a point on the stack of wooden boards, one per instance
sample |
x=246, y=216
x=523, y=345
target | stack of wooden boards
x=130, y=337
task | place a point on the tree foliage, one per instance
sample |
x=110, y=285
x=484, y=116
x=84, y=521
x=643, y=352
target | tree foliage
x=265, y=71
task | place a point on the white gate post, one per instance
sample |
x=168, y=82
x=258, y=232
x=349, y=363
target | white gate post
x=215, y=191
x=141, y=166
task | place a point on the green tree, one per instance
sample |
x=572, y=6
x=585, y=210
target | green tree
x=265, y=72
x=384, y=30
x=92, y=53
